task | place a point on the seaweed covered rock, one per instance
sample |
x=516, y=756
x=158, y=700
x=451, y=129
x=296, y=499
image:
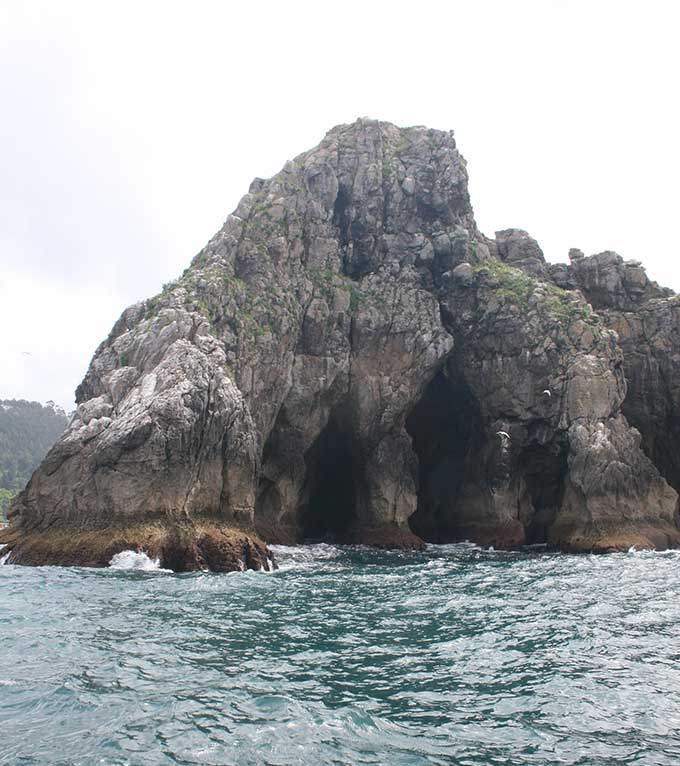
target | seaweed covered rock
x=350, y=359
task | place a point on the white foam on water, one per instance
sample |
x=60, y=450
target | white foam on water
x=136, y=560
x=3, y=559
x=454, y=547
x=310, y=556
x=645, y=553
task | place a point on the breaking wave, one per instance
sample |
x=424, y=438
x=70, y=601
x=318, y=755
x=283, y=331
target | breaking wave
x=135, y=560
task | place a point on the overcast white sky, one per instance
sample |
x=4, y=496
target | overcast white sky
x=129, y=131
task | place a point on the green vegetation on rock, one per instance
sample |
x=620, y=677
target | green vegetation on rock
x=518, y=288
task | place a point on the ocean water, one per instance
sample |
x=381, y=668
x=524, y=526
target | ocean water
x=345, y=656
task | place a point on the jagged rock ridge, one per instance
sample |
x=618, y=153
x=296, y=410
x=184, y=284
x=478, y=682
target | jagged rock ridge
x=349, y=358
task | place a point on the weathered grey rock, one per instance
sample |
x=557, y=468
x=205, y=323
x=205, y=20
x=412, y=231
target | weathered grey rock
x=530, y=442
x=463, y=274
x=611, y=282
x=517, y=248
x=646, y=318
x=349, y=358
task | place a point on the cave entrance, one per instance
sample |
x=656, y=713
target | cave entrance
x=660, y=438
x=444, y=426
x=329, y=510
x=544, y=467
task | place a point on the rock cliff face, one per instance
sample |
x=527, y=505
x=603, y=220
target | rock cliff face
x=646, y=319
x=349, y=358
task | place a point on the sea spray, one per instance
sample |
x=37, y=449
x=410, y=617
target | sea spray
x=135, y=560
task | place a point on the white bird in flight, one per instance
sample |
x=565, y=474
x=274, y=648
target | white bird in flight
x=503, y=434
x=547, y=392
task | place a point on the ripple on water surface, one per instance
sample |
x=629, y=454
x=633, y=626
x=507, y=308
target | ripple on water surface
x=346, y=656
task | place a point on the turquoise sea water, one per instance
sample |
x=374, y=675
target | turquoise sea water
x=346, y=656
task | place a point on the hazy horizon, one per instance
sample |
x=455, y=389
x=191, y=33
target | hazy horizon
x=131, y=133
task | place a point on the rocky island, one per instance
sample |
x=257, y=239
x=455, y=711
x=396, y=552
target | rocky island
x=351, y=359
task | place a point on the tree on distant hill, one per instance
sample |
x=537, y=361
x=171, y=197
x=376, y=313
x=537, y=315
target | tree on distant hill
x=27, y=431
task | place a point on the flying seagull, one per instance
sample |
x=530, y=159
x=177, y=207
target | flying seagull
x=547, y=392
x=503, y=434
